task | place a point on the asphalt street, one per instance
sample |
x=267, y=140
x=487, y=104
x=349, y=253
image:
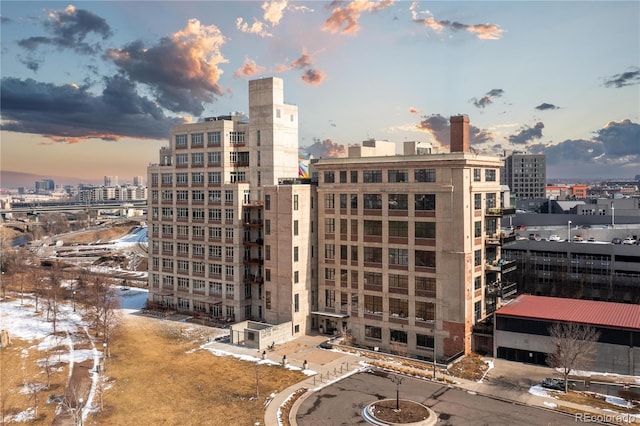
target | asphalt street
x=342, y=404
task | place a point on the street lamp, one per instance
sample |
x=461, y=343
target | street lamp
x=569, y=231
x=104, y=356
x=398, y=381
x=80, y=401
x=74, y=300
x=613, y=216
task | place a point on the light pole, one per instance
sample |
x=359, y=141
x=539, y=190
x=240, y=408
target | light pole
x=613, y=215
x=74, y=300
x=398, y=381
x=104, y=356
x=80, y=401
x=569, y=231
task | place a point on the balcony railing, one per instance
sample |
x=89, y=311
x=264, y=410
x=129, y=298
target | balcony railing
x=500, y=211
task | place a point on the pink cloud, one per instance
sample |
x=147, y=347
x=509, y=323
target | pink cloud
x=344, y=20
x=249, y=68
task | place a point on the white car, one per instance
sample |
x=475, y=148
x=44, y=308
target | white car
x=629, y=241
x=554, y=238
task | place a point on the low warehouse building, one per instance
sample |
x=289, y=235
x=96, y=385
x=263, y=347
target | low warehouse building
x=522, y=330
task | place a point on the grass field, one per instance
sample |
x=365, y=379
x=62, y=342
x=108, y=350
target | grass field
x=158, y=376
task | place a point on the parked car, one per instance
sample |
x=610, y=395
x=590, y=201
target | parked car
x=535, y=237
x=554, y=238
x=555, y=384
x=616, y=241
x=629, y=241
x=592, y=239
x=578, y=238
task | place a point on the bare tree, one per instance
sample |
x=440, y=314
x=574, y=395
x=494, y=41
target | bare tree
x=53, y=294
x=101, y=304
x=575, y=347
x=72, y=402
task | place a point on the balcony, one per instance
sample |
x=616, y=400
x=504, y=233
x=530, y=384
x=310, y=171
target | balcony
x=254, y=223
x=500, y=239
x=500, y=211
x=253, y=261
x=501, y=265
x=253, y=243
x=503, y=289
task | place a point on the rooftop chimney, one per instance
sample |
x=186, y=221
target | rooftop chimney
x=459, y=141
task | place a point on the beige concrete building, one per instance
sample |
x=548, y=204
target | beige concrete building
x=409, y=246
x=206, y=206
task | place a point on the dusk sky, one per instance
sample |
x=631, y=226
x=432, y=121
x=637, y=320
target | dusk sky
x=92, y=88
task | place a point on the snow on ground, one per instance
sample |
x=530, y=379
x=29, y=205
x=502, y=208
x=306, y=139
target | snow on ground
x=136, y=236
x=539, y=391
x=614, y=400
x=490, y=366
x=23, y=323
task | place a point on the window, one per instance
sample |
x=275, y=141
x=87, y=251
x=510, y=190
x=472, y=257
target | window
x=491, y=201
x=329, y=251
x=181, y=141
x=182, y=159
x=425, y=202
x=329, y=225
x=229, y=289
x=295, y=253
x=373, y=254
x=198, y=267
x=477, y=201
x=228, y=215
x=197, y=177
x=237, y=177
x=183, y=231
x=490, y=175
x=398, y=229
x=343, y=226
x=477, y=173
x=427, y=285
x=230, y=271
x=425, y=259
x=398, y=281
x=228, y=233
x=477, y=256
x=267, y=227
x=214, y=177
x=183, y=266
x=329, y=298
x=343, y=252
x=182, y=196
x=425, y=311
x=228, y=196
x=296, y=277
x=267, y=275
x=182, y=178
x=182, y=213
x=372, y=176
x=236, y=138
x=329, y=274
x=295, y=202
x=215, y=252
x=296, y=303
x=425, y=229
x=398, y=201
x=343, y=176
x=229, y=252
x=215, y=233
x=477, y=229
x=373, y=304
x=398, y=256
x=267, y=202
x=354, y=201
x=329, y=177
x=354, y=253
x=371, y=332
x=373, y=227
x=399, y=336
x=167, y=195
x=424, y=341
x=354, y=176
x=197, y=139
x=267, y=252
x=197, y=214
x=167, y=179
x=215, y=215
x=425, y=175
x=372, y=201
x=197, y=232
x=213, y=138
x=373, y=278
x=197, y=159
x=343, y=201
x=267, y=300
x=215, y=196
x=295, y=227
x=354, y=227
x=477, y=283
x=398, y=176
x=154, y=179
x=329, y=202
x=213, y=158
x=197, y=196
x=198, y=250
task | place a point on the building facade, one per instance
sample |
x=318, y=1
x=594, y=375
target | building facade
x=525, y=174
x=206, y=206
x=409, y=247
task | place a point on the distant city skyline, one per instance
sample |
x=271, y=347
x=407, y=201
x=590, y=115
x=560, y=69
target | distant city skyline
x=91, y=89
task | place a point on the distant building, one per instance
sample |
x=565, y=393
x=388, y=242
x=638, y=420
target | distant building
x=522, y=331
x=525, y=174
x=138, y=180
x=45, y=186
x=111, y=181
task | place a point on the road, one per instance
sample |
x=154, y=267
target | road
x=342, y=404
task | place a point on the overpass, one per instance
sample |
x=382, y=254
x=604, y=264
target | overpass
x=54, y=207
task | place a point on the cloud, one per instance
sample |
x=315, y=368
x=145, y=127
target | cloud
x=625, y=79
x=413, y=110
x=304, y=62
x=249, y=68
x=616, y=144
x=481, y=31
x=31, y=63
x=68, y=113
x=313, y=77
x=439, y=129
x=4, y=20
x=182, y=69
x=527, y=134
x=487, y=99
x=344, y=17
x=545, y=106
x=274, y=10
x=324, y=149
x=257, y=28
x=71, y=28
x=620, y=138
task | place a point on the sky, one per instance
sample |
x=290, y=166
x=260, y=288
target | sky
x=90, y=89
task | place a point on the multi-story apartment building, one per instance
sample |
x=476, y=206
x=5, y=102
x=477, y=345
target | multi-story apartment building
x=206, y=205
x=525, y=174
x=409, y=246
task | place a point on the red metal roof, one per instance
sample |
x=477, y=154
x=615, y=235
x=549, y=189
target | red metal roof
x=592, y=312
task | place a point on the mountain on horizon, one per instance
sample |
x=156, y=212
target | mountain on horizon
x=12, y=180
